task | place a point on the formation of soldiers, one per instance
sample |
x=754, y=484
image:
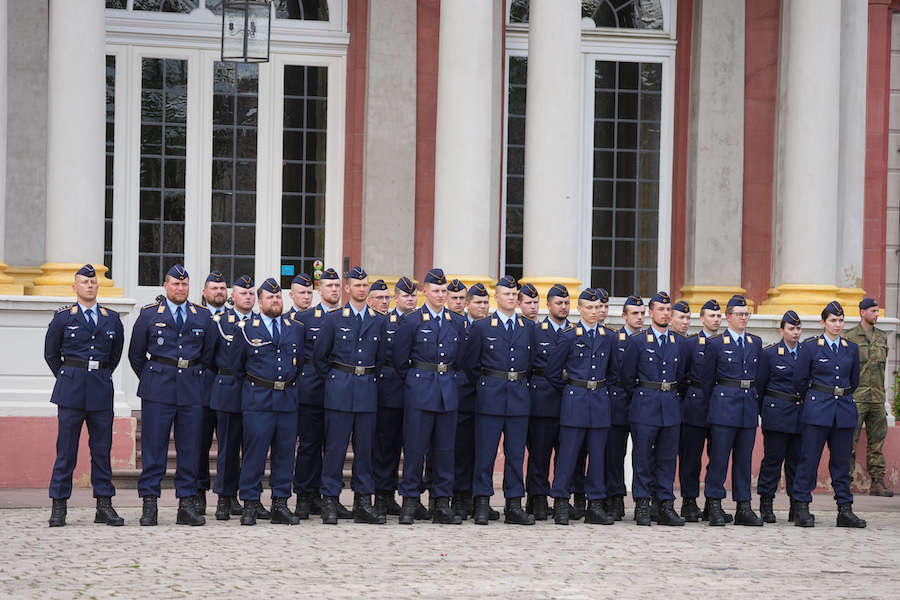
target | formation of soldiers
x=438, y=386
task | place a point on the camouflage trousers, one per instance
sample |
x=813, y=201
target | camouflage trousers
x=874, y=416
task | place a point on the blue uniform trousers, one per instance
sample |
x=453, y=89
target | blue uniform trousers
x=543, y=438
x=779, y=448
x=813, y=440
x=69, y=424
x=578, y=478
x=424, y=429
x=654, y=454
x=464, y=461
x=208, y=426
x=616, y=447
x=229, y=436
x=264, y=430
x=308, y=468
x=386, y=451
x=690, y=456
x=339, y=425
x=157, y=419
x=572, y=440
x=487, y=438
x=725, y=442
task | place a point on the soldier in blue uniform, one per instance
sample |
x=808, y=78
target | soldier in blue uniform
x=348, y=354
x=617, y=442
x=267, y=355
x=456, y=296
x=826, y=374
x=225, y=399
x=311, y=415
x=581, y=364
x=727, y=378
x=172, y=346
x=301, y=294
x=652, y=368
x=379, y=297
x=543, y=423
x=497, y=360
x=426, y=346
x=694, y=414
x=529, y=301
x=780, y=410
x=83, y=347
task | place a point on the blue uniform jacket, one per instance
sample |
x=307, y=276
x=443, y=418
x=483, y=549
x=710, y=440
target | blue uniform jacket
x=390, y=386
x=310, y=382
x=776, y=372
x=589, y=361
x=544, y=397
x=467, y=394
x=155, y=333
x=694, y=408
x=490, y=346
x=817, y=363
x=226, y=390
x=618, y=399
x=645, y=360
x=254, y=353
x=419, y=339
x=70, y=336
x=731, y=406
x=343, y=339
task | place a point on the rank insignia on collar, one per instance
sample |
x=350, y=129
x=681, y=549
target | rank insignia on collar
x=193, y=310
x=622, y=336
x=371, y=313
x=602, y=330
x=749, y=340
x=295, y=361
x=286, y=322
x=393, y=318
x=780, y=351
x=231, y=318
x=346, y=312
x=256, y=322
x=318, y=313
x=494, y=322
x=447, y=316
x=821, y=341
x=520, y=323
x=650, y=337
x=671, y=339
x=426, y=317
x=579, y=331
x=161, y=309
x=74, y=310
x=701, y=340
x=844, y=343
x=102, y=311
x=726, y=340
x=544, y=325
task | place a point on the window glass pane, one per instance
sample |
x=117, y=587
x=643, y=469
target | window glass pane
x=307, y=10
x=629, y=14
x=110, y=147
x=116, y=4
x=162, y=177
x=173, y=6
x=233, y=226
x=515, y=164
x=303, y=170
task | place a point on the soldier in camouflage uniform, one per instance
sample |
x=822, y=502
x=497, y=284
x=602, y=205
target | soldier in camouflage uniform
x=869, y=395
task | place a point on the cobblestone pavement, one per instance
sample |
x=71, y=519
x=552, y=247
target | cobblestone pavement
x=225, y=560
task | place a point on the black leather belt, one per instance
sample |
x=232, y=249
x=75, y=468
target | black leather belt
x=90, y=365
x=744, y=384
x=181, y=363
x=538, y=371
x=834, y=390
x=588, y=385
x=223, y=371
x=692, y=382
x=507, y=375
x=434, y=367
x=662, y=386
x=784, y=396
x=358, y=371
x=272, y=385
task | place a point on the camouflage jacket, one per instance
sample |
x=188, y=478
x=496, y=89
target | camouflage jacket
x=873, y=351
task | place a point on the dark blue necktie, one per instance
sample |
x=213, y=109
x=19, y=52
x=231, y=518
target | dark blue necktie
x=741, y=343
x=834, y=347
x=179, y=319
x=794, y=354
x=359, y=318
x=89, y=317
x=509, y=326
x=662, y=341
x=276, y=336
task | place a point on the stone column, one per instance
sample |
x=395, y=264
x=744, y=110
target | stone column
x=464, y=147
x=715, y=154
x=76, y=152
x=552, y=138
x=7, y=283
x=807, y=164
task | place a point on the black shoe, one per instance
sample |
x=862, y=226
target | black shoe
x=689, y=510
x=745, y=515
x=579, y=505
x=493, y=515
x=188, y=513
x=201, y=502
x=802, y=516
x=713, y=512
x=766, y=511
x=654, y=509
x=667, y=514
x=514, y=514
x=443, y=514
x=223, y=508
x=364, y=512
x=236, y=508
x=281, y=514
x=249, y=512
x=791, y=511
x=704, y=516
x=386, y=504
x=482, y=507
x=846, y=518
x=539, y=507
x=342, y=511
x=642, y=511
x=106, y=513
x=561, y=511
x=408, y=510
x=422, y=513
x=149, y=512
x=330, y=506
x=263, y=513
x=315, y=504
x=597, y=515
x=616, y=507
x=58, y=513
x=462, y=505
x=303, y=506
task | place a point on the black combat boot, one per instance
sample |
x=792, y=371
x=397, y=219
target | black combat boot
x=704, y=516
x=223, y=508
x=667, y=514
x=149, y=512
x=364, y=512
x=597, y=515
x=443, y=514
x=540, y=508
x=766, y=511
x=342, y=511
x=561, y=511
x=493, y=515
x=408, y=510
x=249, y=512
x=200, y=499
x=802, y=516
x=106, y=513
x=689, y=510
x=315, y=505
x=616, y=506
x=236, y=508
x=514, y=513
x=846, y=518
x=791, y=510
x=263, y=513
x=187, y=512
x=303, y=507
x=58, y=513
x=654, y=508
x=745, y=515
x=579, y=505
x=385, y=503
x=642, y=511
x=462, y=504
x=330, y=506
x=281, y=514
x=422, y=513
x=482, y=508
x=713, y=511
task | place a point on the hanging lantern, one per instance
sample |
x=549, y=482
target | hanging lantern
x=246, y=30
